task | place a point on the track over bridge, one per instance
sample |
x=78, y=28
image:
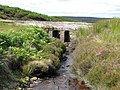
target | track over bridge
x=61, y=30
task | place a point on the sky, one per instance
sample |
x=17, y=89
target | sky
x=87, y=8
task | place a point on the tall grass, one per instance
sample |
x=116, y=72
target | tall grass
x=108, y=31
x=4, y=26
x=97, y=56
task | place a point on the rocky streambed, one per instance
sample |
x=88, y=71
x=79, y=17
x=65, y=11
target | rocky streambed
x=64, y=80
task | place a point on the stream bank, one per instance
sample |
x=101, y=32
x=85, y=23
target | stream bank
x=64, y=80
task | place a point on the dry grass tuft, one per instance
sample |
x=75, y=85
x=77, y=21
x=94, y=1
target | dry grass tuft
x=97, y=56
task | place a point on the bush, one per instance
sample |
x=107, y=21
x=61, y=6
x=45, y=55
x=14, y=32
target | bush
x=46, y=60
x=40, y=67
x=29, y=51
x=29, y=44
x=55, y=61
x=35, y=66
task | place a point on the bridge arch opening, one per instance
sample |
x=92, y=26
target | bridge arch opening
x=56, y=34
x=66, y=36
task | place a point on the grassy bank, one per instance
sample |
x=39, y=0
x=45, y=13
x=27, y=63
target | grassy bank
x=27, y=51
x=97, y=56
x=15, y=13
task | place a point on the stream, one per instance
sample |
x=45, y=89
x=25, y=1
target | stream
x=65, y=80
x=61, y=81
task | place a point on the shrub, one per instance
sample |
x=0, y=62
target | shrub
x=50, y=49
x=4, y=40
x=55, y=61
x=30, y=44
x=57, y=48
x=35, y=66
x=27, y=51
x=38, y=67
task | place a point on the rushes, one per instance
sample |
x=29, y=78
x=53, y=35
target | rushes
x=97, y=56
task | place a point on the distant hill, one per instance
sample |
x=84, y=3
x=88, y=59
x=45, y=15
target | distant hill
x=15, y=13
x=86, y=19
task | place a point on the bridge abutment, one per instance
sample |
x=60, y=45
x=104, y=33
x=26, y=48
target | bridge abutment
x=62, y=36
x=50, y=32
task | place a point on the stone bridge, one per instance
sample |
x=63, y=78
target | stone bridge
x=61, y=30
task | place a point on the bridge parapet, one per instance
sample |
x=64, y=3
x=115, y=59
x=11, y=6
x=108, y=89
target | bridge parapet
x=57, y=25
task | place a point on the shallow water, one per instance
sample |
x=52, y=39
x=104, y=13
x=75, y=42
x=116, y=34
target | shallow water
x=62, y=81
x=65, y=80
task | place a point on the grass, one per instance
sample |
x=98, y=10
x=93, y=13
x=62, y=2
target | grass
x=4, y=26
x=97, y=56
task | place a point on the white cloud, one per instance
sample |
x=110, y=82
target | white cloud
x=97, y=8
